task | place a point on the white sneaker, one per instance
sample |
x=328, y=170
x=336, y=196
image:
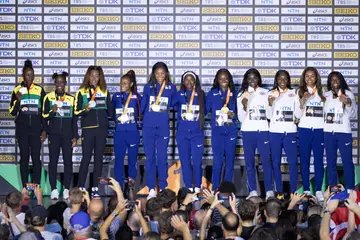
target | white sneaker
x=197, y=190
x=307, y=193
x=319, y=196
x=152, y=194
x=269, y=194
x=66, y=194
x=54, y=194
x=252, y=194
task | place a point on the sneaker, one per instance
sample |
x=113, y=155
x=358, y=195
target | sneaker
x=95, y=193
x=269, y=194
x=252, y=194
x=66, y=194
x=197, y=190
x=54, y=194
x=307, y=193
x=152, y=194
x=319, y=196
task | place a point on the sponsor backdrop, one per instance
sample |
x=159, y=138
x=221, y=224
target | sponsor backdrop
x=198, y=35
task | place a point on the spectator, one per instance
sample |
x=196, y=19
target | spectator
x=38, y=221
x=153, y=208
x=55, y=219
x=264, y=233
x=285, y=230
x=165, y=227
x=76, y=197
x=168, y=199
x=272, y=212
x=151, y=236
x=80, y=226
x=230, y=224
x=134, y=224
x=4, y=232
x=14, y=202
x=247, y=210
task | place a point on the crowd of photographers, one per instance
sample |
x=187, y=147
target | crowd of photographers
x=183, y=215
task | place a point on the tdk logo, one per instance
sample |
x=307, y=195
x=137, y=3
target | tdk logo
x=135, y=10
x=6, y=10
x=6, y=54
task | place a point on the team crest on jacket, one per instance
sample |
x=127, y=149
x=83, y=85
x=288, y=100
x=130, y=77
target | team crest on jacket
x=291, y=95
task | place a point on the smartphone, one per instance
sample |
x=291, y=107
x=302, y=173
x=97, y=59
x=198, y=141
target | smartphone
x=334, y=189
x=30, y=186
x=224, y=196
x=104, y=180
x=342, y=203
x=131, y=204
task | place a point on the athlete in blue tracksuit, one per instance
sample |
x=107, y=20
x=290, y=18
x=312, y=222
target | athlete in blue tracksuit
x=155, y=105
x=309, y=110
x=253, y=110
x=283, y=130
x=190, y=105
x=126, y=105
x=220, y=101
x=339, y=108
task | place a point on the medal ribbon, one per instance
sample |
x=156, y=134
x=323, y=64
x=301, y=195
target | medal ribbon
x=191, y=100
x=227, y=97
x=62, y=98
x=127, y=103
x=313, y=91
x=94, y=95
x=160, y=93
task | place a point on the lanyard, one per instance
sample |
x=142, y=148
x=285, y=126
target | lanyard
x=227, y=97
x=313, y=91
x=93, y=95
x=160, y=93
x=61, y=98
x=127, y=103
x=191, y=99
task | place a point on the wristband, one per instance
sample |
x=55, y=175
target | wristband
x=114, y=214
x=327, y=211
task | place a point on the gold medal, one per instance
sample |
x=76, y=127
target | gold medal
x=123, y=118
x=155, y=107
x=189, y=116
x=225, y=110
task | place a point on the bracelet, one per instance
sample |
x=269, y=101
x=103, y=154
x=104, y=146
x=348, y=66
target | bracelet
x=114, y=214
x=327, y=211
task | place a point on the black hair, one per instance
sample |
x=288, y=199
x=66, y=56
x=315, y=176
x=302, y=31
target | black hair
x=227, y=187
x=215, y=232
x=303, y=88
x=275, y=86
x=63, y=75
x=343, y=84
x=199, y=92
x=245, y=83
x=4, y=232
x=132, y=76
x=152, y=79
x=285, y=230
x=27, y=65
x=216, y=80
x=263, y=233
